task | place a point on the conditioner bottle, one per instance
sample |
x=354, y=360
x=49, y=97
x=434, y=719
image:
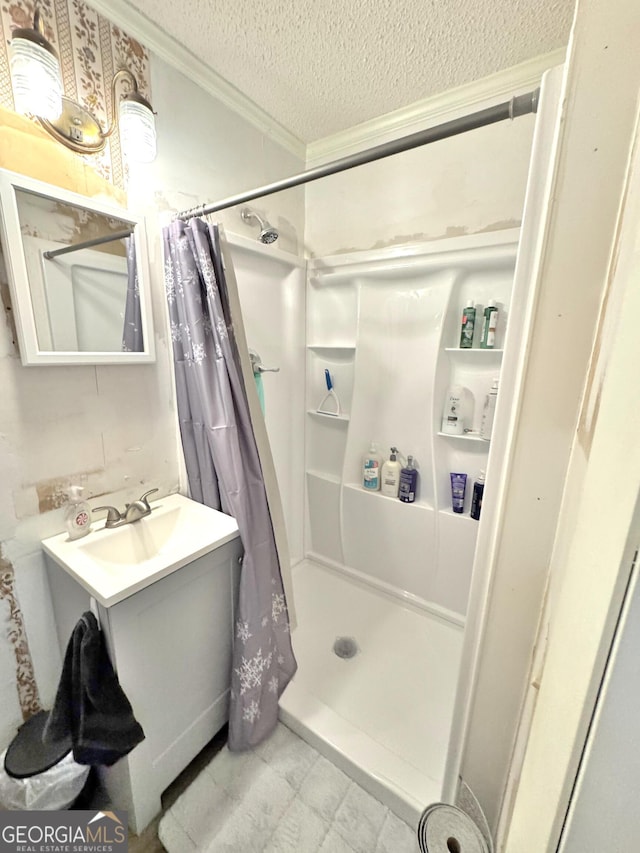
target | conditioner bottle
x=489, y=323
x=408, y=482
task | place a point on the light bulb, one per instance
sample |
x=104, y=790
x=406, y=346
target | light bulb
x=35, y=75
x=137, y=129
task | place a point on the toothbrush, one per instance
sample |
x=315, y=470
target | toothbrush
x=330, y=395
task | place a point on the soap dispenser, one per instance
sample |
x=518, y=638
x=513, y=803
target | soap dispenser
x=391, y=475
x=77, y=517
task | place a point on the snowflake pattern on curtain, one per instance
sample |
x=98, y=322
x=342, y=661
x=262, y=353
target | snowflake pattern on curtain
x=224, y=471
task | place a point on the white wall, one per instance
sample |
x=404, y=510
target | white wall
x=463, y=185
x=113, y=429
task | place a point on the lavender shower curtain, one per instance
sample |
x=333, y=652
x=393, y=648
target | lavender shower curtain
x=224, y=470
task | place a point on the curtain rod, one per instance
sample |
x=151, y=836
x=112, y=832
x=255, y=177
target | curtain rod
x=519, y=105
x=75, y=247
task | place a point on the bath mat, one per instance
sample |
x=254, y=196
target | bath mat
x=283, y=797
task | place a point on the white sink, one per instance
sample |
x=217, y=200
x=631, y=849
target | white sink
x=114, y=564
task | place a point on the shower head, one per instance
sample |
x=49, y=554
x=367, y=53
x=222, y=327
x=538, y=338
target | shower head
x=268, y=234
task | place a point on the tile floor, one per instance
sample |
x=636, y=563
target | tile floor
x=283, y=797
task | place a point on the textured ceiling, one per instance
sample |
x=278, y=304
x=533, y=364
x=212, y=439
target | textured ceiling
x=321, y=67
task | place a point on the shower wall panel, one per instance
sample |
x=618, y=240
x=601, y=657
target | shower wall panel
x=271, y=289
x=386, y=325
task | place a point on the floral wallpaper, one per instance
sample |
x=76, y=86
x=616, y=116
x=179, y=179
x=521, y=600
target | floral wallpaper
x=91, y=50
x=15, y=631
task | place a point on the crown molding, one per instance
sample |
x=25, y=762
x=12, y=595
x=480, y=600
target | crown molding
x=434, y=110
x=165, y=47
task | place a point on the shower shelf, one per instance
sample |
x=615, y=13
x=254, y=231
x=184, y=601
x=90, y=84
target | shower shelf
x=475, y=438
x=473, y=350
x=463, y=516
x=335, y=348
x=322, y=475
x=357, y=487
x=344, y=418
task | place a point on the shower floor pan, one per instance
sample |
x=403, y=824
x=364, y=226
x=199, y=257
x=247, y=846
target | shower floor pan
x=383, y=715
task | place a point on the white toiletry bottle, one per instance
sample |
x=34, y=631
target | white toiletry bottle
x=391, y=475
x=371, y=464
x=77, y=517
x=489, y=411
x=453, y=415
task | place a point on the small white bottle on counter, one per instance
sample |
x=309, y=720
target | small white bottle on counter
x=77, y=517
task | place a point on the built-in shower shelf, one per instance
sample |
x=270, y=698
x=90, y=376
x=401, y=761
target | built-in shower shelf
x=475, y=438
x=379, y=496
x=322, y=475
x=343, y=418
x=333, y=349
x=463, y=516
x=474, y=351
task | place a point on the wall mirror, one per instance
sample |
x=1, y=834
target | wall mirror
x=78, y=276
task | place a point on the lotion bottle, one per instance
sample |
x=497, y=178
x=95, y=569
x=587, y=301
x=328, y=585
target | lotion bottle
x=391, y=475
x=371, y=464
x=77, y=517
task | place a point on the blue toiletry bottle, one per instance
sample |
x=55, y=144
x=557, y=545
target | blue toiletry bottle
x=408, y=482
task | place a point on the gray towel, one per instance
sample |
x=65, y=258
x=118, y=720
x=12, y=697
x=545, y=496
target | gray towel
x=90, y=705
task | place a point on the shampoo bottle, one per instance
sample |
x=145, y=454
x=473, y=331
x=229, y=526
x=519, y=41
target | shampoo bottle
x=489, y=323
x=77, y=517
x=489, y=411
x=408, y=482
x=391, y=475
x=371, y=463
x=476, y=500
x=468, y=325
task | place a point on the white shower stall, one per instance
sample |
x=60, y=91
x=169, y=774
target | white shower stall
x=399, y=580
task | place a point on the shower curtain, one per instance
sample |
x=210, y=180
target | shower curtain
x=224, y=470
x=132, y=332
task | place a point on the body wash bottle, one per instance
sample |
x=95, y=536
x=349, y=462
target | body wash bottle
x=408, y=482
x=371, y=463
x=77, y=517
x=391, y=475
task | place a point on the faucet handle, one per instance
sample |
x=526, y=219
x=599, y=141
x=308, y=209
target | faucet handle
x=144, y=497
x=113, y=514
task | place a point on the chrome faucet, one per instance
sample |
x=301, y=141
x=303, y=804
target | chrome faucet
x=132, y=512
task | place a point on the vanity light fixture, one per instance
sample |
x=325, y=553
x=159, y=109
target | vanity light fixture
x=38, y=91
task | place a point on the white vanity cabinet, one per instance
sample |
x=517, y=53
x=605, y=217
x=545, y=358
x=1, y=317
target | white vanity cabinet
x=170, y=644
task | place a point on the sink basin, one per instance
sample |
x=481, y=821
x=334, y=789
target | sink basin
x=114, y=564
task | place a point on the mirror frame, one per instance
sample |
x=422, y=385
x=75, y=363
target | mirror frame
x=15, y=260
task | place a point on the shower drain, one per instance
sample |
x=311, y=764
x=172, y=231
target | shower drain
x=345, y=647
